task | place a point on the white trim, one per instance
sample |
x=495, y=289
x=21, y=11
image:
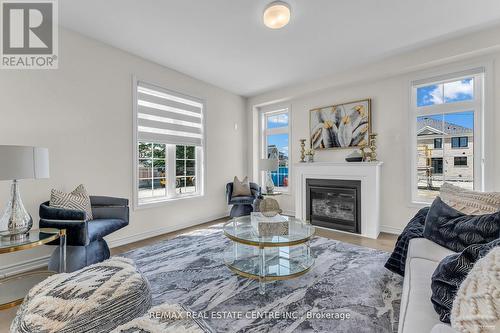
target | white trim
x=263, y=112
x=200, y=158
x=24, y=266
x=163, y=230
x=482, y=134
x=390, y=230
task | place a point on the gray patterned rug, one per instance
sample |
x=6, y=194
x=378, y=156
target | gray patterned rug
x=345, y=279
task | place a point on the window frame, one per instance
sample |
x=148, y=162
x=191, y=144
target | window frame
x=170, y=156
x=477, y=105
x=440, y=140
x=264, y=113
x=461, y=158
x=459, y=139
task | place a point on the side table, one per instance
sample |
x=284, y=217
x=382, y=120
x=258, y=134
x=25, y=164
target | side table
x=14, y=288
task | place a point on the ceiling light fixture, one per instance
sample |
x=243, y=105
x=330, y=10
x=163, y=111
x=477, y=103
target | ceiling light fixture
x=277, y=15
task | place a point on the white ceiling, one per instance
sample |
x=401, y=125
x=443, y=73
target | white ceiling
x=225, y=43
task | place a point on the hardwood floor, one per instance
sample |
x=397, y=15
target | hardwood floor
x=384, y=242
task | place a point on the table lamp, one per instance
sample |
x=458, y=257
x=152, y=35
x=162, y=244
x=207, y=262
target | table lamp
x=269, y=165
x=20, y=162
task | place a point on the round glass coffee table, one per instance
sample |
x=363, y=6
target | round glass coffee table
x=268, y=258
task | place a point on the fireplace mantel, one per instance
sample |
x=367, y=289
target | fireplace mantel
x=367, y=172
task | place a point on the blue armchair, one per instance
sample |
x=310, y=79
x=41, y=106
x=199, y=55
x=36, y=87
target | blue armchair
x=242, y=205
x=84, y=239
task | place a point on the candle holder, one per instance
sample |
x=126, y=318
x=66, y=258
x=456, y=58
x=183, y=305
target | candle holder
x=302, y=150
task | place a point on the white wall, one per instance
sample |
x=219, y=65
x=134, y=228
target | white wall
x=387, y=84
x=83, y=113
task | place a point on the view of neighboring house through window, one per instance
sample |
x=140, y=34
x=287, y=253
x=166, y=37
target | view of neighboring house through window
x=276, y=140
x=445, y=114
x=169, y=135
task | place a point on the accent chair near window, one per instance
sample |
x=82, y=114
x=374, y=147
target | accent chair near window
x=242, y=205
x=85, y=238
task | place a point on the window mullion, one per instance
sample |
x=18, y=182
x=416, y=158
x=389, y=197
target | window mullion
x=171, y=170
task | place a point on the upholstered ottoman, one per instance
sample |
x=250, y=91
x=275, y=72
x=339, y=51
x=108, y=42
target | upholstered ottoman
x=97, y=298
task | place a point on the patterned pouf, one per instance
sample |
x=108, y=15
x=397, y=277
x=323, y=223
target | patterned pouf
x=97, y=298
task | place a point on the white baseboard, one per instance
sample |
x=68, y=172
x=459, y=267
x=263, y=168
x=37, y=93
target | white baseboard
x=390, y=230
x=289, y=212
x=40, y=262
x=24, y=266
x=160, y=231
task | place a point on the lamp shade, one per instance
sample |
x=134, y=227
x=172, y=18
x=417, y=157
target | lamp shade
x=23, y=162
x=268, y=164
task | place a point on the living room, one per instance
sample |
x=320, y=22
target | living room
x=360, y=132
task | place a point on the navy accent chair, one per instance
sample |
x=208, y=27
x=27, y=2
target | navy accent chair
x=242, y=205
x=84, y=239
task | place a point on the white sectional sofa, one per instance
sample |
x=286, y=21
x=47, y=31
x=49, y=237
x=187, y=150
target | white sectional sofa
x=417, y=314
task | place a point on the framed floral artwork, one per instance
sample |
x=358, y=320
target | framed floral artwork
x=346, y=125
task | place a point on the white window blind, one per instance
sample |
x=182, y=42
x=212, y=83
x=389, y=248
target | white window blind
x=168, y=118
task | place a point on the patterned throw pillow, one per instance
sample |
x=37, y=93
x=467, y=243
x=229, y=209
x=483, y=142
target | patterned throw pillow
x=450, y=274
x=76, y=200
x=241, y=188
x=454, y=230
x=476, y=308
x=97, y=298
x=470, y=202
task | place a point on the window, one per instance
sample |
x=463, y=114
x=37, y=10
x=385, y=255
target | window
x=438, y=143
x=185, y=172
x=460, y=142
x=447, y=114
x=460, y=161
x=275, y=138
x=169, y=145
x=437, y=165
x=152, y=170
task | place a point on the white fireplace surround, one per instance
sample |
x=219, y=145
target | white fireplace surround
x=367, y=172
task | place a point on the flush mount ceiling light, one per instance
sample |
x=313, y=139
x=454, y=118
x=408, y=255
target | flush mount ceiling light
x=276, y=15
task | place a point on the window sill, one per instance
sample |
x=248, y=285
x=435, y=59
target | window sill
x=163, y=201
x=420, y=203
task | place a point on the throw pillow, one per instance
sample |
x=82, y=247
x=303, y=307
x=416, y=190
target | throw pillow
x=477, y=305
x=97, y=298
x=450, y=274
x=454, y=230
x=241, y=188
x=470, y=202
x=76, y=200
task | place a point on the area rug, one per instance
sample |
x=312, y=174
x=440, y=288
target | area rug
x=345, y=281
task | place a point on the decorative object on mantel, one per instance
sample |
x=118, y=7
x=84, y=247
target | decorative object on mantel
x=302, y=150
x=269, y=165
x=339, y=126
x=269, y=207
x=370, y=156
x=20, y=162
x=310, y=155
x=355, y=156
x=373, y=147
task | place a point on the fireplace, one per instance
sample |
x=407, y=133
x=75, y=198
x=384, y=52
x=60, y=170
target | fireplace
x=334, y=204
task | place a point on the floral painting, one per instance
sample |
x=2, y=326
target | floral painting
x=340, y=126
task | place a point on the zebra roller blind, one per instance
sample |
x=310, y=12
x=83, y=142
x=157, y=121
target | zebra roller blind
x=167, y=117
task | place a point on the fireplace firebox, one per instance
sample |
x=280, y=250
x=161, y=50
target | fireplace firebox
x=334, y=204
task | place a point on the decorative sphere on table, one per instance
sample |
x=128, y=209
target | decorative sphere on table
x=269, y=207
